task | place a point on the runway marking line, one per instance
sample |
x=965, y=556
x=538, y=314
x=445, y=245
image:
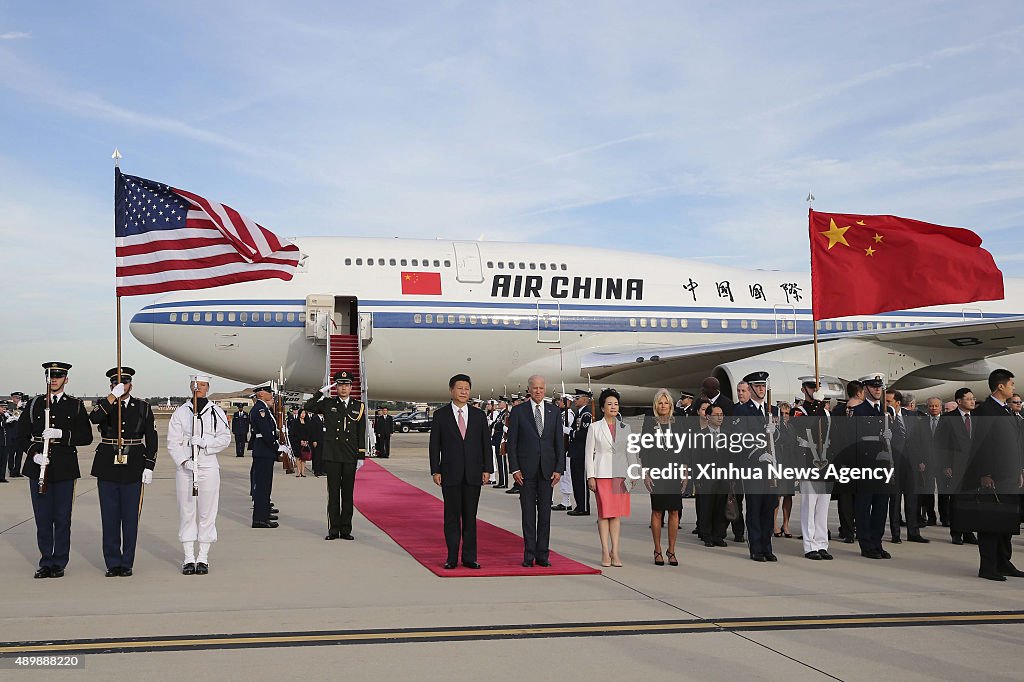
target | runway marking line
x=483, y=632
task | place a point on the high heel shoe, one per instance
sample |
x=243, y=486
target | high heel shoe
x=616, y=562
x=672, y=561
x=777, y=534
x=606, y=562
x=658, y=560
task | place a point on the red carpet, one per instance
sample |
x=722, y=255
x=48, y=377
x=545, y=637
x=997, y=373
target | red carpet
x=414, y=519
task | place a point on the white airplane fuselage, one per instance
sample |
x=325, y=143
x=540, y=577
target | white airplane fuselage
x=504, y=311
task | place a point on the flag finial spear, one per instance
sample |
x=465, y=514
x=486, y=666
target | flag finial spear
x=810, y=199
x=116, y=156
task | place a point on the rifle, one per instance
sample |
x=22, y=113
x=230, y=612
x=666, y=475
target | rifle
x=195, y=448
x=772, y=481
x=46, y=441
x=282, y=429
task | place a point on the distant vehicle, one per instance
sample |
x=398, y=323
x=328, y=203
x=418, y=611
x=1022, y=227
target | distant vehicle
x=412, y=421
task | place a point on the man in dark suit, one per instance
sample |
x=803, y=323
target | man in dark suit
x=995, y=467
x=955, y=440
x=711, y=388
x=461, y=463
x=910, y=468
x=757, y=418
x=383, y=427
x=240, y=428
x=536, y=457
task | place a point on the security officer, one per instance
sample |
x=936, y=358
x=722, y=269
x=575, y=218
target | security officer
x=344, y=450
x=120, y=479
x=760, y=419
x=13, y=415
x=577, y=451
x=240, y=428
x=264, y=454
x=383, y=427
x=67, y=429
x=873, y=448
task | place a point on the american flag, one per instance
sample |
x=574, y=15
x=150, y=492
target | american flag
x=168, y=239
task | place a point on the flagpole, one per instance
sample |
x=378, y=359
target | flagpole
x=119, y=457
x=814, y=320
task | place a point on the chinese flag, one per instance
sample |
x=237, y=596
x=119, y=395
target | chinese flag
x=868, y=264
x=424, y=283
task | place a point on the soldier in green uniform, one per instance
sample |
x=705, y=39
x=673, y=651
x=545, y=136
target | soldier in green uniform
x=344, y=450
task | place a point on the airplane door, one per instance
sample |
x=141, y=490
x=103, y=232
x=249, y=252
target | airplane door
x=785, y=320
x=319, y=311
x=467, y=262
x=549, y=322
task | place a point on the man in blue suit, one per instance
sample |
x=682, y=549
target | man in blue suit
x=536, y=457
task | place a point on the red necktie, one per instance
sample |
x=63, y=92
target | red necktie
x=462, y=425
x=967, y=423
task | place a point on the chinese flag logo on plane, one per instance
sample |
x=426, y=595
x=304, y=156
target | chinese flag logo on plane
x=421, y=283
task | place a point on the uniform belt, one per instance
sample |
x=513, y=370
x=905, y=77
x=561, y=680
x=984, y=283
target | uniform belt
x=124, y=441
x=40, y=439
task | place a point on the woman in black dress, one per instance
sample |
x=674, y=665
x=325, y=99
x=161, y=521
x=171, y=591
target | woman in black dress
x=666, y=494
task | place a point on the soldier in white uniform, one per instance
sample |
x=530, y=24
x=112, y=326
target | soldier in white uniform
x=197, y=513
x=565, y=484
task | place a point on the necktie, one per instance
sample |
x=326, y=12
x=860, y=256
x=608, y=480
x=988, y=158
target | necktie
x=462, y=425
x=539, y=419
x=967, y=423
x=935, y=424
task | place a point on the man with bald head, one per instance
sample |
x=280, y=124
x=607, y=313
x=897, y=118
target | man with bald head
x=536, y=458
x=711, y=388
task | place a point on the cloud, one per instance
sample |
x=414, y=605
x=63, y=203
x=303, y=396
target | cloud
x=15, y=35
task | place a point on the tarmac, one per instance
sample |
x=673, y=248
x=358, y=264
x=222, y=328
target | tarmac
x=284, y=602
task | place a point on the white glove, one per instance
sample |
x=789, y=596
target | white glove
x=359, y=464
x=41, y=459
x=117, y=391
x=282, y=448
x=53, y=434
x=887, y=435
x=189, y=465
x=770, y=427
x=199, y=441
x=147, y=476
x=326, y=390
x=767, y=458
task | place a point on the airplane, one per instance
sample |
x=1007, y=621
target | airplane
x=405, y=314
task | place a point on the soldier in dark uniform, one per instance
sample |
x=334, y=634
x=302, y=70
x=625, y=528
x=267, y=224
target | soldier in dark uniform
x=68, y=428
x=684, y=406
x=8, y=432
x=344, y=450
x=264, y=455
x=240, y=427
x=383, y=427
x=757, y=417
x=13, y=416
x=120, y=479
x=577, y=452
x=873, y=448
x=498, y=423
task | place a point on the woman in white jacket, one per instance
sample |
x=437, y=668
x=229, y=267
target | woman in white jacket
x=608, y=459
x=209, y=433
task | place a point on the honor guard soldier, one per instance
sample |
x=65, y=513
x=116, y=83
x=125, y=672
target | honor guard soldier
x=198, y=430
x=121, y=475
x=13, y=415
x=264, y=454
x=51, y=464
x=684, y=406
x=577, y=452
x=240, y=427
x=344, y=450
x=8, y=432
x=811, y=427
x=757, y=417
x=873, y=449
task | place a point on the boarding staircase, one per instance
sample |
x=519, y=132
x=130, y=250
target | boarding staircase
x=344, y=353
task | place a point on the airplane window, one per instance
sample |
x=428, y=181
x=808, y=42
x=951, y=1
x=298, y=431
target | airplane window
x=860, y=326
x=849, y=326
x=643, y=323
x=654, y=323
x=828, y=326
x=451, y=319
x=430, y=318
x=291, y=317
x=437, y=263
x=483, y=319
x=543, y=266
x=403, y=262
x=220, y=317
x=743, y=324
x=553, y=267
x=359, y=261
x=632, y=322
x=207, y=317
x=472, y=319
x=278, y=317
x=522, y=266
x=684, y=323
x=516, y=321
x=195, y=317
x=348, y=261
x=417, y=318
x=674, y=322
x=507, y=321
x=244, y=317
x=725, y=324
x=664, y=323
x=447, y=263
x=266, y=317
x=871, y=325
x=462, y=319
x=174, y=317
x=392, y=262
x=753, y=324
x=231, y=317
x=563, y=266
x=511, y=265
x=501, y=265
x=790, y=325
x=703, y=324
x=533, y=266
x=302, y=317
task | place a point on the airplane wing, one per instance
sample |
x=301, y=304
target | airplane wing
x=957, y=349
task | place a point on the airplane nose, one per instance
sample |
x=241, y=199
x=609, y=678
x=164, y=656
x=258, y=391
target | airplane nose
x=142, y=329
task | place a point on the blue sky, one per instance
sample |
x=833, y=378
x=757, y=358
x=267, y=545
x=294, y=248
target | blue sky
x=690, y=129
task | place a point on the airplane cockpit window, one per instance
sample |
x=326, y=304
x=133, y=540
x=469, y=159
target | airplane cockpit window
x=174, y=317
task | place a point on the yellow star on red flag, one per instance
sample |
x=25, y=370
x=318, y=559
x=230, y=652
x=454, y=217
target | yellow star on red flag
x=836, y=234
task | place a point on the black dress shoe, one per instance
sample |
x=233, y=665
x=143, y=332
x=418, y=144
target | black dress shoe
x=825, y=555
x=56, y=572
x=112, y=572
x=3, y=480
x=559, y=507
x=813, y=555
x=708, y=543
x=694, y=532
x=917, y=538
x=346, y=536
x=944, y=524
x=885, y=555
x=970, y=539
x=202, y=569
x=42, y=572
x=449, y=565
x=188, y=569
x=770, y=557
x=543, y=563
x=992, y=576
x=471, y=564
x=720, y=543
x=738, y=538
x=126, y=572
x=896, y=541
x=871, y=555
x=577, y=512
x=265, y=524
x=1013, y=573
x=332, y=536
x=527, y=564
x=758, y=557
x=958, y=541
x=272, y=517
x=849, y=540
x=512, y=491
